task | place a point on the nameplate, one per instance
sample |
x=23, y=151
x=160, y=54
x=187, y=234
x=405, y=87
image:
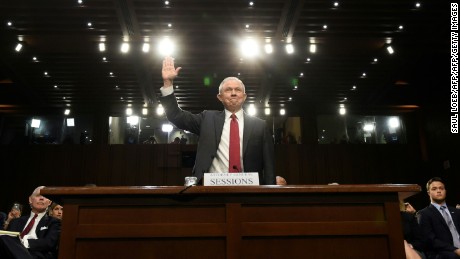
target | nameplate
x=230, y=179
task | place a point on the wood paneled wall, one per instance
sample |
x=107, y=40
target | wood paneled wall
x=23, y=167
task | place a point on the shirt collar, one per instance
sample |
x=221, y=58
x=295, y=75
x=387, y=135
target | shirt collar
x=239, y=114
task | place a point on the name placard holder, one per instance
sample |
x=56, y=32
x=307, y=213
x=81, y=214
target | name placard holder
x=230, y=179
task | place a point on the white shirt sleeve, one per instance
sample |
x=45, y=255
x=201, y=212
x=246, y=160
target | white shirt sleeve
x=167, y=90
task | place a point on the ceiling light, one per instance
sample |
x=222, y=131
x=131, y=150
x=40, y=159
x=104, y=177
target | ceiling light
x=247, y=26
x=267, y=111
x=35, y=123
x=145, y=111
x=110, y=73
x=55, y=86
x=393, y=122
x=325, y=27
x=353, y=88
x=282, y=111
x=251, y=3
x=290, y=98
x=390, y=50
x=80, y=1
x=104, y=59
x=124, y=47
x=363, y=74
x=400, y=27
x=89, y=24
x=342, y=111
x=249, y=48
x=102, y=47
x=167, y=127
x=368, y=127
x=66, y=112
x=160, y=110
x=166, y=2
x=129, y=111
x=252, y=109
x=336, y=4
x=166, y=47
x=301, y=74
x=18, y=47
x=132, y=120
x=375, y=60
x=9, y=23
x=308, y=59
x=70, y=122
x=45, y=73
x=268, y=48
x=418, y=5
x=312, y=48
x=289, y=48
x=145, y=47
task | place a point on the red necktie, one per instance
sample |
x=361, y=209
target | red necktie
x=29, y=226
x=234, y=161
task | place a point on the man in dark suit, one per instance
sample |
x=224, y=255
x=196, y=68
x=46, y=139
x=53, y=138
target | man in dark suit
x=440, y=223
x=212, y=127
x=39, y=232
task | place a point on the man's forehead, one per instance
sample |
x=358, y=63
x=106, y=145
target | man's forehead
x=436, y=184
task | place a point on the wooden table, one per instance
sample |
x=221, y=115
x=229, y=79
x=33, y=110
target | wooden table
x=293, y=221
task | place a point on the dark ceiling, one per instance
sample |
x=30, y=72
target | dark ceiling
x=206, y=33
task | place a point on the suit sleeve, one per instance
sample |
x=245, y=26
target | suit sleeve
x=182, y=119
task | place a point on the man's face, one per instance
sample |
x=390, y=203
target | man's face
x=437, y=192
x=38, y=203
x=232, y=95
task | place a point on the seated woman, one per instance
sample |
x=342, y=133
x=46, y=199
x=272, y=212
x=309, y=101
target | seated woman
x=56, y=210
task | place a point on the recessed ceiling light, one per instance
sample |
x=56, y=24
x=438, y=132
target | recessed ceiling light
x=251, y=3
x=89, y=24
x=80, y=1
x=9, y=23
x=418, y=5
x=104, y=59
x=55, y=86
x=102, y=47
x=353, y=88
x=364, y=74
x=336, y=4
x=375, y=60
x=110, y=73
x=18, y=47
x=166, y=2
x=325, y=27
x=34, y=58
x=45, y=73
x=400, y=27
x=169, y=25
x=247, y=26
x=390, y=50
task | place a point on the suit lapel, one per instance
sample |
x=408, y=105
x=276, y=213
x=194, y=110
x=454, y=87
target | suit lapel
x=219, y=126
x=247, y=131
x=438, y=214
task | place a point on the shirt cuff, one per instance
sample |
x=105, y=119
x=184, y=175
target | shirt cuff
x=167, y=90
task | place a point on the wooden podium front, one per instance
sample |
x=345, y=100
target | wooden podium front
x=302, y=221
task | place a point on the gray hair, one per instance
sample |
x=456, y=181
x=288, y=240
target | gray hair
x=232, y=78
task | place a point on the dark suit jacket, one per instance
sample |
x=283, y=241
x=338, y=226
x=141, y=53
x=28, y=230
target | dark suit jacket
x=435, y=231
x=258, y=147
x=48, y=231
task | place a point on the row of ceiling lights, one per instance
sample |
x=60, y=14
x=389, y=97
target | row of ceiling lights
x=249, y=46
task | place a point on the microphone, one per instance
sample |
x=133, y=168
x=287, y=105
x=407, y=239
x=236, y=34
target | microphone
x=189, y=182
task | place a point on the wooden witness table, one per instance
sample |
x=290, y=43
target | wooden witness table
x=293, y=221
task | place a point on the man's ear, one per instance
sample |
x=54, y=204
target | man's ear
x=219, y=97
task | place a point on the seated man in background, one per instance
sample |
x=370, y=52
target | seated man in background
x=440, y=223
x=39, y=233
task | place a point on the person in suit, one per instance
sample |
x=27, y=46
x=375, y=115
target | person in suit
x=441, y=241
x=213, y=127
x=40, y=240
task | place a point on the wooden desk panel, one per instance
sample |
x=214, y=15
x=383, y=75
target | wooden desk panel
x=347, y=221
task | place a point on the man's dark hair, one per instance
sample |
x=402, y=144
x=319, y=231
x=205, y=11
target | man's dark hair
x=434, y=179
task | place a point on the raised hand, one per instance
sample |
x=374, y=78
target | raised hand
x=169, y=72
